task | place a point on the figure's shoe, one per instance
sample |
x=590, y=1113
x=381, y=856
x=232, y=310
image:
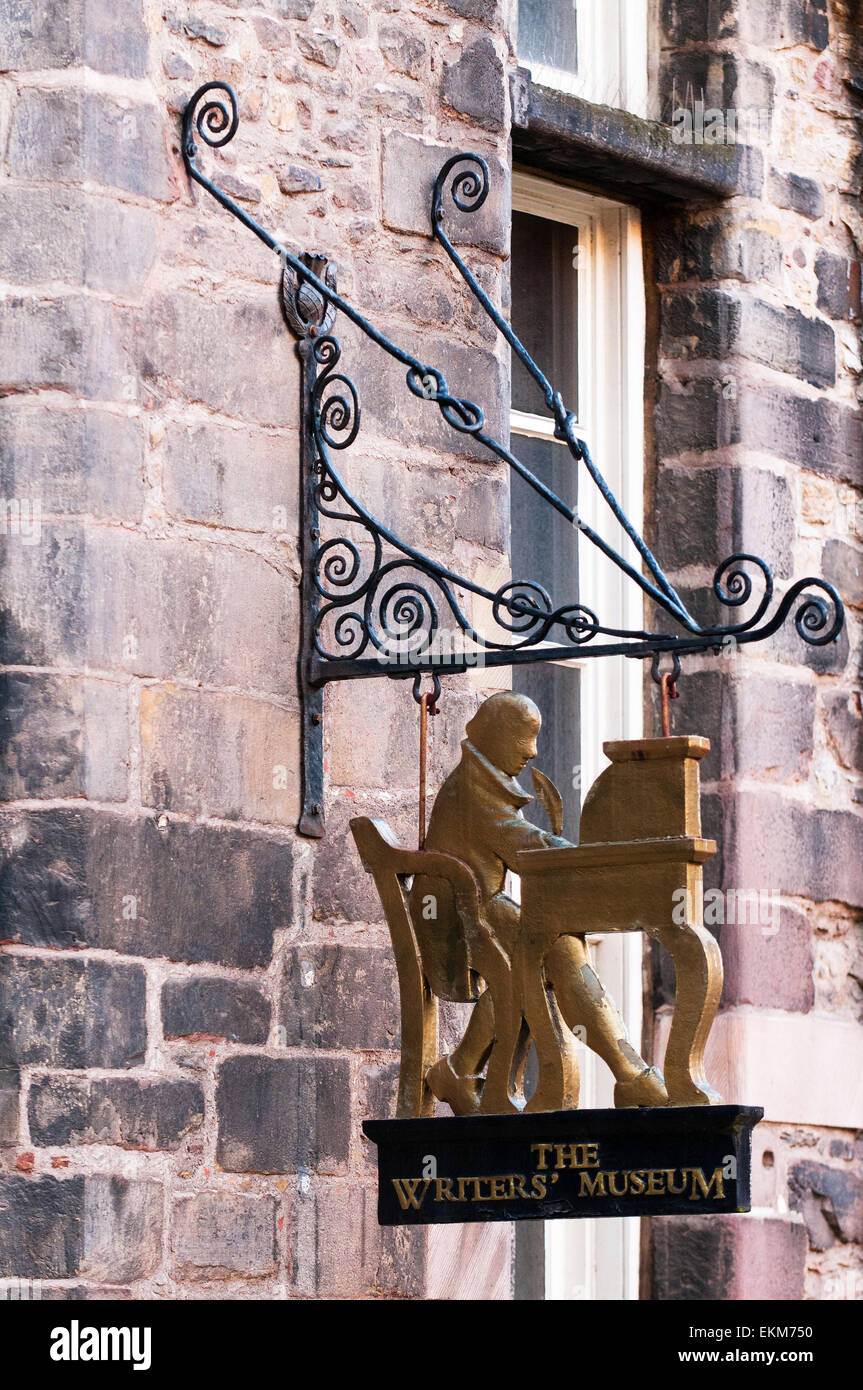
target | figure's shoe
x=461, y=1093
x=646, y=1089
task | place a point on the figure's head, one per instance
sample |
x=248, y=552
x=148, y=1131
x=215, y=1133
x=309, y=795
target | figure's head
x=504, y=729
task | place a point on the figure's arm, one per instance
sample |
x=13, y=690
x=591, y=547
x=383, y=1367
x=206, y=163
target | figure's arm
x=513, y=833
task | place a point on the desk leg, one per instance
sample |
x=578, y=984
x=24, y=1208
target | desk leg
x=698, y=971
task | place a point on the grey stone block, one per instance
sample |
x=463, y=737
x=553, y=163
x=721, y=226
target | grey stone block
x=713, y=323
x=71, y=344
x=842, y=564
x=213, y=613
x=215, y=1008
x=41, y=1226
x=122, y=1229
x=135, y=1114
x=222, y=1235
x=407, y=201
x=403, y=49
x=795, y=191
x=235, y=357
x=41, y=34
x=475, y=85
x=69, y=135
x=74, y=461
x=280, y=1116
x=63, y=736
x=340, y=996
x=187, y=892
x=71, y=1013
x=63, y=234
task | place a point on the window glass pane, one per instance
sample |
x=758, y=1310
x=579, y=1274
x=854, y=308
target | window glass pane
x=545, y=308
x=543, y=544
x=547, y=33
x=555, y=689
x=543, y=547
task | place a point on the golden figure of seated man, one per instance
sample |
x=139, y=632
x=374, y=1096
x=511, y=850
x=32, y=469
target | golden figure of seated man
x=477, y=818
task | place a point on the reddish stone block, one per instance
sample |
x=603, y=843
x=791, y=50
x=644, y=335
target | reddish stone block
x=726, y=1258
x=766, y=967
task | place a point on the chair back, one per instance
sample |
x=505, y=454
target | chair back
x=392, y=867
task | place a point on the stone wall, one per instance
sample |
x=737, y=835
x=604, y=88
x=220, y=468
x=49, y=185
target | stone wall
x=203, y=1005
x=759, y=448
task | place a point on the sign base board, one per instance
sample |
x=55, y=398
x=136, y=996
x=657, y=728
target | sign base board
x=562, y=1164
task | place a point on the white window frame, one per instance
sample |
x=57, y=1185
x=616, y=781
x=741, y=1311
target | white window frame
x=588, y=1258
x=612, y=56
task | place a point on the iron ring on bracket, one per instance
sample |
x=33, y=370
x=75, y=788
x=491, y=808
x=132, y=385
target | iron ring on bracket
x=657, y=675
x=416, y=690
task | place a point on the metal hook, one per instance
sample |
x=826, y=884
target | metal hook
x=667, y=682
x=675, y=669
x=432, y=697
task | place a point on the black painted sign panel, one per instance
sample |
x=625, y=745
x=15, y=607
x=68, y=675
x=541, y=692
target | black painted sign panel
x=567, y=1163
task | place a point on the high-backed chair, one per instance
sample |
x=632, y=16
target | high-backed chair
x=392, y=868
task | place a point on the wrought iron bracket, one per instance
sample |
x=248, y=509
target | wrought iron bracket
x=371, y=602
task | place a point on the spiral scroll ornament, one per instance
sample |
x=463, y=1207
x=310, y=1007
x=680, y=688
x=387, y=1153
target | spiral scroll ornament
x=733, y=586
x=468, y=187
x=335, y=401
x=521, y=607
x=818, y=619
x=215, y=122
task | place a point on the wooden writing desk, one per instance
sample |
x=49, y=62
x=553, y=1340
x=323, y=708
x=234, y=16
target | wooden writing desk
x=640, y=845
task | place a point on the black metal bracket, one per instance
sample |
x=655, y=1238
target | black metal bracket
x=371, y=602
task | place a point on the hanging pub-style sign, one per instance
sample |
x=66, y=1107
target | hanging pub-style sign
x=670, y=1145
x=371, y=606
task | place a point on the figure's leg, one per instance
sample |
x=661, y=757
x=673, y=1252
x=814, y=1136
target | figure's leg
x=585, y=1004
x=456, y=1079
x=471, y=1055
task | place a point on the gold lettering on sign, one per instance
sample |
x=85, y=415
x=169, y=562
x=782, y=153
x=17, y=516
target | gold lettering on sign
x=654, y=1183
x=698, y=1181
x=443, y=1188
x=584, y=1155
x=613, y=1182
x=406, y=1191
x=592, y=1184
x=576, y=1155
